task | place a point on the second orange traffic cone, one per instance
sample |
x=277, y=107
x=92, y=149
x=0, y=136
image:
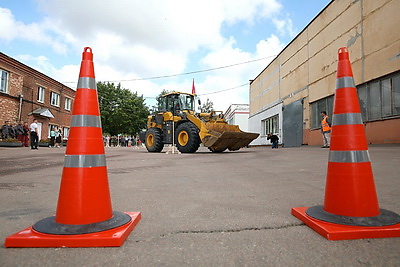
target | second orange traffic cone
x=351, y=208
x=84, y=216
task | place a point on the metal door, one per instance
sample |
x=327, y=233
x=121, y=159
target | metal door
x=292, y=124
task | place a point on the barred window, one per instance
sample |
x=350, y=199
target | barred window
x=375, y=102
x=396, y=94
x=325, y=104
x=380, y=98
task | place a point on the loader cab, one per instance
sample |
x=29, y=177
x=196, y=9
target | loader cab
x=175, y=101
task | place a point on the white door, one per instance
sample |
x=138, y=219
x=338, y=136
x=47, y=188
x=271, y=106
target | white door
x=39, y=130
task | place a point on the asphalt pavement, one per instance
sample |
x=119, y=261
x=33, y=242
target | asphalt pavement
x=201, y=209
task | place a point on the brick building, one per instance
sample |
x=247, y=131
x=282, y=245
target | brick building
x=27, y=94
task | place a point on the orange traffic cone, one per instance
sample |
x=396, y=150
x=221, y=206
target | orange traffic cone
x=351, y=208
x=84, y=216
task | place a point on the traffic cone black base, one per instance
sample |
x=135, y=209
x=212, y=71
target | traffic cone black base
x=385, y=218
x=110, y=238
x=50, y=226
x=333, y=231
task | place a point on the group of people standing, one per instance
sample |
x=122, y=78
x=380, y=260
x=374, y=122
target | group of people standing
x=24, y=133
x=120, y=141
x=55, y=137
x=19, y=132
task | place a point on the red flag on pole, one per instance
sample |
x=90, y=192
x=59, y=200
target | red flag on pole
x=193, y=88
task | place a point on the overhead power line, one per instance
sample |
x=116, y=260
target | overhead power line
x=187, y=73
x=192, y=72
x=216, y=92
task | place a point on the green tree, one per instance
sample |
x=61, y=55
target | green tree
x=207, y=107
x=121, y=110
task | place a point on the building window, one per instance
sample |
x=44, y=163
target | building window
x=317, y=107
x=396, y=95
x=55, y=99
x=40, y=97
x=380, y=99
x=68, y=102
x=4, y=81
x=271, y=125
x=374, y=107
x=362, y=97
x=52, y=127
x=65, y=133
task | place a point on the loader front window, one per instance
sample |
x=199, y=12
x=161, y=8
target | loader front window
x=170, y=103
x=187, y=102
x=162, y=105
x=175, y=102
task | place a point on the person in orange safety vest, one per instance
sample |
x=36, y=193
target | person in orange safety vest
x=326, y=129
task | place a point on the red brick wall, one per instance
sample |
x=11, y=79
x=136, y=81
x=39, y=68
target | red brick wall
x=373, y=133
x=25, y=81
x=9, y=103
x=8, y=110
x=391, y=129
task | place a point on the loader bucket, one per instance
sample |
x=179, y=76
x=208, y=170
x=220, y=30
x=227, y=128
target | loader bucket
x=221, y=136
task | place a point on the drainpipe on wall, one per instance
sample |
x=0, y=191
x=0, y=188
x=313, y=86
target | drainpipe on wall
x=20, y=107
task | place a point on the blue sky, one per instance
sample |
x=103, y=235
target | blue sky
x=132, y=40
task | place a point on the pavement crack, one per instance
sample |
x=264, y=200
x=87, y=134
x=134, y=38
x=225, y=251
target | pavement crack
x=15, y=186
x=237, y=230
x=222, y=231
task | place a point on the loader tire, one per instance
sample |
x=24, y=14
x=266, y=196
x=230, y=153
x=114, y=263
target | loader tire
x=187, y=138
x=153, y=141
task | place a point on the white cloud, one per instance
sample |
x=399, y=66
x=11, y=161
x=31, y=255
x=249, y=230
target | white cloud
x=42, y=63
x=34, y=32
x=285, y=26
x=136, y=39
x=269, y=47
x=8, y=25
x=151, y=28
x=249, y=10
x=235, y=76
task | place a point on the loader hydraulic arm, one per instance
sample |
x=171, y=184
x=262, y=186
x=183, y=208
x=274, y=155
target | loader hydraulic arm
x=203, y=132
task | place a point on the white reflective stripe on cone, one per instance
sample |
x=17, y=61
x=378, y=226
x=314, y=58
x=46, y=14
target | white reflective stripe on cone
x=84, y=161
x=86, y=121
x=347, y=118
x=355, y=156
x=345, y=82
x=87, y=82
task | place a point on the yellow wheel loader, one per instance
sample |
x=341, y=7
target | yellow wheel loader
x=177, y=123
